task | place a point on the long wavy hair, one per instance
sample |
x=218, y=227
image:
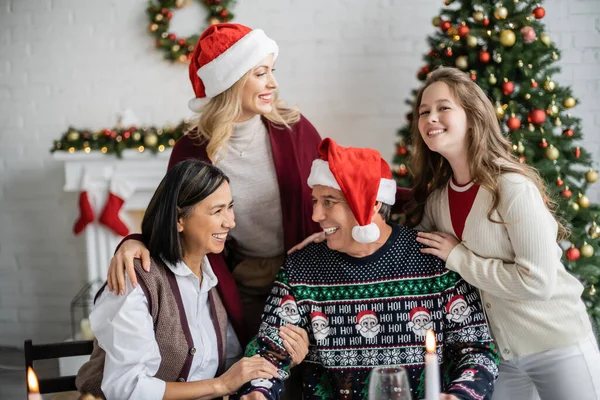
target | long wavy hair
x=490, y=152
x=215, y=124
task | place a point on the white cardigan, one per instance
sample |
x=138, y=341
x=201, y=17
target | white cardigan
x=533, y=304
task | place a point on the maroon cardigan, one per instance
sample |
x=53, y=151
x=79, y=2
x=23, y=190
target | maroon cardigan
x=293, y=153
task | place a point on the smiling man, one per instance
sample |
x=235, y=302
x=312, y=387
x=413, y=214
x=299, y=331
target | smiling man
x=375, y=293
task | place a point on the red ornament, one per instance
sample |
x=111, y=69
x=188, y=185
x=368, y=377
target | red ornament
x=508, y=88
x=402, y=171
x=126, y=135
x=486, y=22
x=463, y=31
x=522, y=159
x=539, y=12
x=559, y=182
x=573, y=253
x=164, y=11
x=513, y=123
x=172, y=36
x=402, y=150
x=568, y=133
x=169, y=15
x=473, y=77
x=449, y=52
x=224, y=13
x=422, y=74
x=566, y=193
x=536, y=116
x=445, y=25
x=484, y=56
x=577, y=152
x=543, y=144
x=181, y=42
x=534, y=84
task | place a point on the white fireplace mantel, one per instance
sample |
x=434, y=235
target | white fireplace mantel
x=142, y=172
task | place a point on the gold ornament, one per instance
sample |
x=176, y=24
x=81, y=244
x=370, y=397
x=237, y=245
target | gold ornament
x=553, y=110
x=214, y=21
x=478, y=16
x=175, y=48
x=586, y=250
x=549, y=85
x=531, y=128
x=499, y=111
x=452, y=31
x=183, y=58
x=583, y=200
x=555, y=56
x=591, y=176
x=471, y=41
x=527, y=96
x=594, y=231
x=153, y=28
x=507, y=38
x=435, y=21
x=150, y=140
x=592, y=291
x=492, y=80
x=497, y=57
x=520, y=147
x=545, y=38
x=158, y=17
x=520, y=63
x=574, y=206
x=73, y=136
x=557, y=122
x=552, y=153
x=462, y=63
x=136, y=136
x=501, y=13
x=569, y=102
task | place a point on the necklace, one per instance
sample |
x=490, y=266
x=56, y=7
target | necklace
x=241, y=151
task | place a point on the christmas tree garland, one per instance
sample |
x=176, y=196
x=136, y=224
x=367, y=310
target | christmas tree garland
x=115, y=140
x=176, y=48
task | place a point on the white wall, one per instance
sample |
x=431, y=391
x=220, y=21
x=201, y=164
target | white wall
x=348, y=64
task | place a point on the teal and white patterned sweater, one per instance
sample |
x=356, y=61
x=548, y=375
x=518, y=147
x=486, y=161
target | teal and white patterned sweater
x=374, y=311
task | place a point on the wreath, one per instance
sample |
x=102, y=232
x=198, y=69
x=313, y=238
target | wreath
x=181, y=48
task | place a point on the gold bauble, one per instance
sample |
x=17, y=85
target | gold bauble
x=592, y=291
x=507, y=38
x=574, y=206
x=435, y=21
x=553, y=110
x=492, y=80
x=462, y=62
x=545, y=38
x=158, y=17
x=555, y=56
x=471, y=41
x=549, y=85
x=569, y=102
x=175, y=48
x=583, y=201
x=214, y=21
x=527, y=96
x=73, y=136
x=182, y=58
x=586, y=250
x=591, y=176
x=552, y=153
x=501, y=13
x=478, y=16
x=153, y=28
x=557, y=122
x=520, y=63
x=594, y=231
x=136, y=136
x=531, y=128
x=150, y=140
x=520, y=147
x=499, y=111
x=452, y=31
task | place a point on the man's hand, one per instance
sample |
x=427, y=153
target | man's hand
x=295, y=341
x=314, y=238
x=123, y=261
x=439, y=244
x=253, y=396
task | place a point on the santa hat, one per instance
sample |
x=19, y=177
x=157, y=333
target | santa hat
x=287, y=299
x=471, y=371
x=415, y=312
x=223, y=54
x=364, y=178
x=364, y=314
x=455, y=300
x=315, y=316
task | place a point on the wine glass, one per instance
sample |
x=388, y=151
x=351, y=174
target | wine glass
x=389, y=383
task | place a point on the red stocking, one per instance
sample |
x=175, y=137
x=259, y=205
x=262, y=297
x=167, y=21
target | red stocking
x=118, y=194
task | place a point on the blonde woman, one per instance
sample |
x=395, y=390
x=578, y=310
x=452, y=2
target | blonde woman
x=489, y=218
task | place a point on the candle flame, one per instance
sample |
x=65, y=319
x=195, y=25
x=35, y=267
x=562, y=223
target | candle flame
x=430, y=341
x=32, y=381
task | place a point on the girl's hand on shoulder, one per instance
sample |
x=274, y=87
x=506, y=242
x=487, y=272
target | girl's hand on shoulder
x=295, y=341
x=439, y=244
x=314, y=238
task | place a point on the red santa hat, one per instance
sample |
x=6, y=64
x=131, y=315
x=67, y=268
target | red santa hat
x=315, y=316
x=365, y=314
x=223, y=54
x=364, y=178
x=415, y=312
x=287, y=299
x=454, y=301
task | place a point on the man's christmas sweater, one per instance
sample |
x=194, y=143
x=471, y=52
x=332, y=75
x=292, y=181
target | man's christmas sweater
x=374, y=311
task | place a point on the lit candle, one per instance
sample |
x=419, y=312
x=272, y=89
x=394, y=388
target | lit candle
x=432, y=369
x=33, y=389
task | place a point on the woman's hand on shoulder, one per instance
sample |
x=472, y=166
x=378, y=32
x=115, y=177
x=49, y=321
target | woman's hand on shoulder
x=438, y=244
x=245, y=370
x=295, y=341
x=122, y=262
x=314, y=238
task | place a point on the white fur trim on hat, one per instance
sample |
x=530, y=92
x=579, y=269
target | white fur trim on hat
x=418, y=313
x=320, y=174
x=197, y=104
x=366, y=234
x=225, y=70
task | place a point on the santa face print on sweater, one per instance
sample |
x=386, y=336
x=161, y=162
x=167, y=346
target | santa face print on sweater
x=288, y=310
x=368, y=324
x=320, y=325
x=457, y=310
x=420, y=321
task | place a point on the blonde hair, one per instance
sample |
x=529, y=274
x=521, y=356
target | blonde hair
x=215, y=123
x=490, y=152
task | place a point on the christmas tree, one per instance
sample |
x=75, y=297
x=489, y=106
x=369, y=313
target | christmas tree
x=503, y=47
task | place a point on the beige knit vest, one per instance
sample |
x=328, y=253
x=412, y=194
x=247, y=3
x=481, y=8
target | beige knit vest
x=171, y=330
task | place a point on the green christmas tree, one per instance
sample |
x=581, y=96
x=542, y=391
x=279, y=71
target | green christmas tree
x=503, y=47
